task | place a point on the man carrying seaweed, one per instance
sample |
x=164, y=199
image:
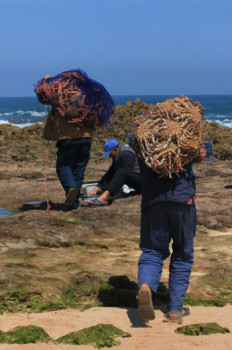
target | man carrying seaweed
x=79, y=106
x=168, y=139
x=73, y=154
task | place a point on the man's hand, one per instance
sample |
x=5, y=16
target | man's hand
x=95, y=190
x=202, y=155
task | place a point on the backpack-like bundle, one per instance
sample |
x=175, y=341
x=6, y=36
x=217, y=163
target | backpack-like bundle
x=76, y=97
x=170, y=135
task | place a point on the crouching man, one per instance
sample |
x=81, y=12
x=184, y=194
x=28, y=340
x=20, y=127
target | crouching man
x=124, y=170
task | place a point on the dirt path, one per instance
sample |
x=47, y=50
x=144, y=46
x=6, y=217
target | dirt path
x=157, y=334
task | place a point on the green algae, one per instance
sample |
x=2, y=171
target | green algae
x=202, y=329
x=70, y=219
x=100, y=336
x=44, y=293
x=23, y=300
x=87, y=290
x=219, y=282
x=25, y=335
x=217, y=302
x=37, y=304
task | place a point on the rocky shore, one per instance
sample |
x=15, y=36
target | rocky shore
x=88, y=257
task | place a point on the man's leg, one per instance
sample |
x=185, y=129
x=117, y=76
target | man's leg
x=72, y=158
x=154, y=244
x=78, y=170
x=121, y=177
x=64, y=163
x=183, y=224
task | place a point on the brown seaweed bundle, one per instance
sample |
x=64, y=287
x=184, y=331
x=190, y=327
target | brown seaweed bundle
x=170, y=135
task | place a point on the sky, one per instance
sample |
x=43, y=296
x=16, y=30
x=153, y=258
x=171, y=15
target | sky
x=132, y=47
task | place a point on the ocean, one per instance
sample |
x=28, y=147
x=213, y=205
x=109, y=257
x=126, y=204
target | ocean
x=25, y=111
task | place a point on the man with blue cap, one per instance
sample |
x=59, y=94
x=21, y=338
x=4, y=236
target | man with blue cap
x=123, y=170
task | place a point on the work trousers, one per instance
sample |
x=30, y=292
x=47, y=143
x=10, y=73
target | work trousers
x=72, y=158
x=159, y=224
x=123, y=177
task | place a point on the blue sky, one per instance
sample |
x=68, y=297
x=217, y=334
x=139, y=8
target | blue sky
x=132, y=47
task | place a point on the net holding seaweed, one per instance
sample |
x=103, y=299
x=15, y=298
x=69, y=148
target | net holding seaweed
x=170, y=135
x=76, y=97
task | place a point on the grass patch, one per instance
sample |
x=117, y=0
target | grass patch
x=202, y=329
x=100, y=336
x=25, y=335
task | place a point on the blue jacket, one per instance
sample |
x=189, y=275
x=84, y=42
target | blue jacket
x=156, y=189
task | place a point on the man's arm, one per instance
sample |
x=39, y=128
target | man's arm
x=107, y=176
x=104, y=180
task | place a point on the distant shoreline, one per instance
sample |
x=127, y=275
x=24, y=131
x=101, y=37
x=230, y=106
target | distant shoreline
x=135, y=96
x=24, y=110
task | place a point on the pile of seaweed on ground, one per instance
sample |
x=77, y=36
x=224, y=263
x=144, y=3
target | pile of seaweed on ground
x=170, y=135
x=76, y=97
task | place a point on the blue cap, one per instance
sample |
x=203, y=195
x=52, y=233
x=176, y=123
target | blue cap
x=109, y=145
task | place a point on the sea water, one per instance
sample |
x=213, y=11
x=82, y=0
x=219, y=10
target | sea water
x=25, y=111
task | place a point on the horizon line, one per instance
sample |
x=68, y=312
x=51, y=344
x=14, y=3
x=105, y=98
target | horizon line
x=135, y=95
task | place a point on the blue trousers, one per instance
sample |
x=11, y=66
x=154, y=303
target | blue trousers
x=72, y=158
x=159, y=224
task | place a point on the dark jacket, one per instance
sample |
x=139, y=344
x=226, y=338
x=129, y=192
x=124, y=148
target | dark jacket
x=156, y=189
x=126, y=159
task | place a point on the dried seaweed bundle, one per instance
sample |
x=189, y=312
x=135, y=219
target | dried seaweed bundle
x=170, y=135
x=76, y=97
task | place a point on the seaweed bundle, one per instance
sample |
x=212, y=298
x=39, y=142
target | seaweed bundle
x=76, y=97
x=170, y=135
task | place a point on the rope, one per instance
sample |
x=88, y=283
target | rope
x=45, y=183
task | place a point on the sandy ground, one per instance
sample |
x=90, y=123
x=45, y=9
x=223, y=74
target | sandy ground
x=157, y=334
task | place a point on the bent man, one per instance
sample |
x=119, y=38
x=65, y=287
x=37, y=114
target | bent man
x=123, y=170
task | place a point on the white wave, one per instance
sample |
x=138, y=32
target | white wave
x=38, y=114
x=18, y=125
x=5, y=114
x=4, y=122
x=23, y=125
x=226, y=123
x=20, y=113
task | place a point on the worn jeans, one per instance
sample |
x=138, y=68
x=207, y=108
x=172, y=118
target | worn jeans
x=159, y=224
x=72, y=158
